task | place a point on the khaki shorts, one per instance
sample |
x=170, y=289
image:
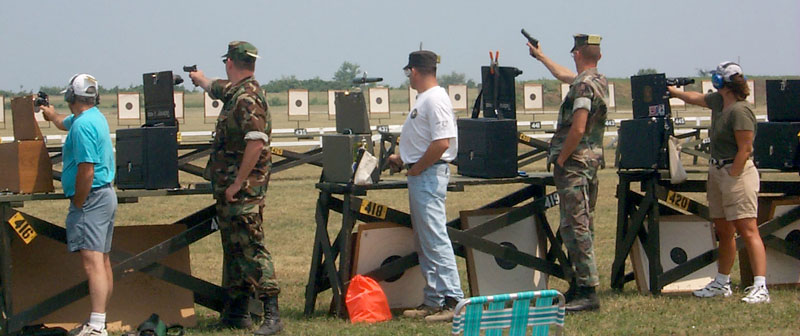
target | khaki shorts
x=733, y=197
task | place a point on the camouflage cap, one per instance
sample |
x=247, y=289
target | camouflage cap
x=422, y=59
x=584, y=39
x=241, y=50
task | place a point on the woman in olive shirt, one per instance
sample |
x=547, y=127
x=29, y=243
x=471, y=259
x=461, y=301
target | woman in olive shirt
x=733, y=181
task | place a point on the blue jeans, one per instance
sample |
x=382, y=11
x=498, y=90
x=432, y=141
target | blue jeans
x=426, y=196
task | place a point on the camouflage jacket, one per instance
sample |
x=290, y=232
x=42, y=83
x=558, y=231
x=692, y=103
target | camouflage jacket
x=245, y=115
x=589, y=84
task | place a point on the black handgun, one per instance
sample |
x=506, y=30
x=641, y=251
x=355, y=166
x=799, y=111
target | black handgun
x=190, y=68
x=679, y=81
x=530, y=38
x=42, y=99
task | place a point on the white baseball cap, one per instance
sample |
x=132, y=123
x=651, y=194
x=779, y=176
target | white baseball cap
x=727, y=69
x=83, y=85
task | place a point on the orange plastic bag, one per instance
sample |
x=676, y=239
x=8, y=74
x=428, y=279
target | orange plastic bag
x=366, y=301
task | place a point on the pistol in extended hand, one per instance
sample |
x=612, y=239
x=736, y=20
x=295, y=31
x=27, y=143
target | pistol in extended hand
x=530, y=38
x=190, y=68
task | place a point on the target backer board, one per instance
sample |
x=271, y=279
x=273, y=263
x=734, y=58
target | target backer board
x=564, y=91
x=44, y=268
x=128, y=106
x=379, y=101
x=532, y=93
x=489, y=275
x=752, y=97
x=298, y=105
x=412, y=98
x=178, y=97
x=707, y=87
x=381, y=243
x=781, y=268
x=458, y=96
x=2, y=110
x=211, y=107
x=682, y=238
x=675, y=101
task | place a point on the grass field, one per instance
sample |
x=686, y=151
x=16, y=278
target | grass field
x=289, y=223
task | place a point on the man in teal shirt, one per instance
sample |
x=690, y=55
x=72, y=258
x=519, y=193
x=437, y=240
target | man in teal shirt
x=86, y=180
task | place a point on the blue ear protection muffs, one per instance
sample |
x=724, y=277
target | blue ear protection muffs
x=718, y=80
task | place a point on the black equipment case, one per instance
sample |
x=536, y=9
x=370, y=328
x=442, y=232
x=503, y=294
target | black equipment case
x=776, y=145
x=649, y=96
x=783, y=100
x=147, y=158
x=643, y=143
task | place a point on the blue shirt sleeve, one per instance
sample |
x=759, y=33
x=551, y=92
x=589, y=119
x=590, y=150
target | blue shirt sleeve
x=68, y=121
x=86, y=148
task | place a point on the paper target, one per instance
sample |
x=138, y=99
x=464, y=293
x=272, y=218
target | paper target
x=378, y=100
x=676, y=101
x=298, y=104
x=412, y=98
x=533, y=96
x=39, y=116
x=489, y=275
x=681, y=238
x=707, y=87
x=2, y=109
x=752, y=97
x=380, y=243
x=128, y=106
x=211, y=107
x=332, y=103
x=564, y=91
x=178, y=96
x=612, y=97
x=458, y=96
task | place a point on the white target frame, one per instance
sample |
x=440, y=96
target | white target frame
x=3, y=111
x=211, y=107
x=707, y=87
x=128, y=107
x=674, y=102
x=379, y=101
x=332, y=104
x=179, y=98
x=612, y=96
x=458, y=96
x=412, y=98
x=533, y=98
x=564, y=91
x=751, y=84
x=297, y=99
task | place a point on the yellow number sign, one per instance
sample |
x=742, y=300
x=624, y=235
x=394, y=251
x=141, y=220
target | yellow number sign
x=373, y=209
x=22, y=227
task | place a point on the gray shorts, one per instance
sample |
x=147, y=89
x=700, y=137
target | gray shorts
x=92, y=227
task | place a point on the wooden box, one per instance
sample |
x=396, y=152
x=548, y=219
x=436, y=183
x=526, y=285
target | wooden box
x=22, y=115
x=26, y=167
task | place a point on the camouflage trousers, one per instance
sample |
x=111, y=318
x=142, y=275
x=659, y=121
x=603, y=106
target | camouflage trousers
x=247, y=268
x=577, y=186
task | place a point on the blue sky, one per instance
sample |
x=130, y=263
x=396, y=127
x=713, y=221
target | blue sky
x=46, y=42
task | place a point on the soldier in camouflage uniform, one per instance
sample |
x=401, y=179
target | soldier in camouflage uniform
x=239, y=170
x=577, y=152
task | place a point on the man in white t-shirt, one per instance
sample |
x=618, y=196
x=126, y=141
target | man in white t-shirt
x=429, y=141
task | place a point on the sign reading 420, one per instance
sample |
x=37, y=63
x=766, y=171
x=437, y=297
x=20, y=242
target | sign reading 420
x=678, y=200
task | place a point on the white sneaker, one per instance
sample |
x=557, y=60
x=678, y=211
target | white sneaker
x=755, y=294
x=713, y=289
x=87, y=330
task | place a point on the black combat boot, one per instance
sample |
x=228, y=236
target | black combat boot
x=272, y=318
x=236, y=314
x=585, y=299
x=570, y=294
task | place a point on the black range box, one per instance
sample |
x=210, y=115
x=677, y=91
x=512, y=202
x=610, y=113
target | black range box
x=642, y=143
x=649, y=96
x=783, y=100
x=487, y=147
x=147, y=158
x=340, y=154
x=776, y=145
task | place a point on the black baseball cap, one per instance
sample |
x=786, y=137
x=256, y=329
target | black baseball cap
x=422, y=59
